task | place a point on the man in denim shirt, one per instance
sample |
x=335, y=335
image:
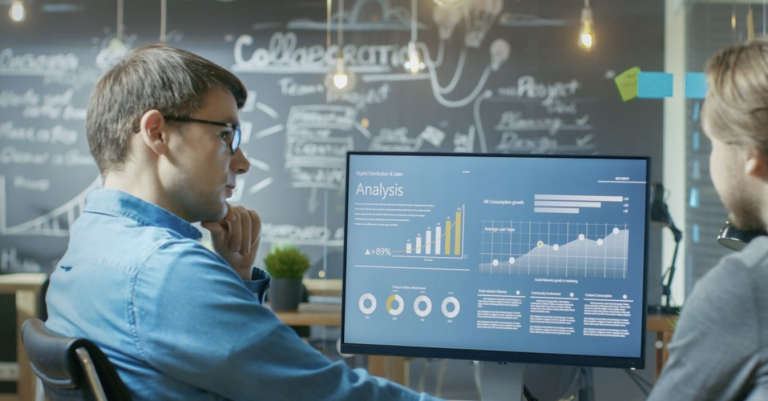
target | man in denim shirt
x=178, y=321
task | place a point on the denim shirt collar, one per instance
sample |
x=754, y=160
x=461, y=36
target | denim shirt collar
x=117, y=203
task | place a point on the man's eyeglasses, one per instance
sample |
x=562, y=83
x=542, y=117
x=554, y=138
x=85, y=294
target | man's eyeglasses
x=234, y=131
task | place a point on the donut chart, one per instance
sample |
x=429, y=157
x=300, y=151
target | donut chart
x=456, y=307
x=400, y=305
x=422, y=299
x=361, y=303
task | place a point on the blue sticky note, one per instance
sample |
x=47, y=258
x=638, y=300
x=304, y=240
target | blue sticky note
x=695, y=234
x=693, y=201
x=654, y=85
x=696, y=140
x=695, y=85
x=696, y=111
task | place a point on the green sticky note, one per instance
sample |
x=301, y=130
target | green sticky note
x=626, y=82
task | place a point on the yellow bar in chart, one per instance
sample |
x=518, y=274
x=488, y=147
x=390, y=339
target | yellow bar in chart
x=457, y=243
x=447, y=237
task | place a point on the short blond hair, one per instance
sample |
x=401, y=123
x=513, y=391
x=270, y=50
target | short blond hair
x=736, y=106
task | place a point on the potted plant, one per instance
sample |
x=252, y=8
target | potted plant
x=286, y=266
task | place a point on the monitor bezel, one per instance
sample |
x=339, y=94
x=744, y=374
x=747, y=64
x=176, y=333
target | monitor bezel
x=494, y=355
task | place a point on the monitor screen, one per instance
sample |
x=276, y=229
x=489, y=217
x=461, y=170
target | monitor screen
x=533, y=259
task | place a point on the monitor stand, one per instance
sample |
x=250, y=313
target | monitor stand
x=502, y=381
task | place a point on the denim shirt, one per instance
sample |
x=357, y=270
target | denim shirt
x=178, y=322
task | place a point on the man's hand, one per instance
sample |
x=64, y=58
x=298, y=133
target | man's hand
x=236, y=238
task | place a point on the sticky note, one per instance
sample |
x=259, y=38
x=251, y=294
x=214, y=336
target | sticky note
x=654, y=85
x=693, y=201
x=626, y=82
x=695, y=85
x=696, y=111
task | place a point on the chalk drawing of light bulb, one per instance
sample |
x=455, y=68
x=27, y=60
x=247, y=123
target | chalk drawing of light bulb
x=499, y=53
x=479, y=16
x=446, y=19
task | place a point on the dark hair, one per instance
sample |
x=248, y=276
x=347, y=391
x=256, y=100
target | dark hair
x=161, y=77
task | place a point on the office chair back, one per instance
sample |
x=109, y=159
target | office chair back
x=70, y=368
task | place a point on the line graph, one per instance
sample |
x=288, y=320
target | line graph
x=55, y=223
x=547, y=249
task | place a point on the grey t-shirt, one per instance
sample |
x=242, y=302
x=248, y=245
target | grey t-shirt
x=720, y=347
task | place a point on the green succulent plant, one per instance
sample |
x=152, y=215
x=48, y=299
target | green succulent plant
x=286, y=262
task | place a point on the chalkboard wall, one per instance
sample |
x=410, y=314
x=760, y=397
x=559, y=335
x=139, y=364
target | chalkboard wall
x=500, y=76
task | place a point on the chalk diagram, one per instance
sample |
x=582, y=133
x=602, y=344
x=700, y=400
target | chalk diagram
x=478, y=17
x=317, y=136
x=55, y=223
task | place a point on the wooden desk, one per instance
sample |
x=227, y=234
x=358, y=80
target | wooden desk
x=392, y=368
x=664, y=330
x=312, y=315
x=323, y=287
x=26, y=286
x=396, y=368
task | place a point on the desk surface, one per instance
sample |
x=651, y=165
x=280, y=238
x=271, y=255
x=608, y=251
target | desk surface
x=657, y=323
x=312, y=315
x=323, y=287
x=10, y=283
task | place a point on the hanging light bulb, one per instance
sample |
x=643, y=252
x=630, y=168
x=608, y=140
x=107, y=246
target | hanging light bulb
x=17, y=11
x=414, y=63
x=340, y=79
x=586, y=33
x=340, y=76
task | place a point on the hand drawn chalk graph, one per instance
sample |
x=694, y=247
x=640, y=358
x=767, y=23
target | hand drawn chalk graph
x=52, y=224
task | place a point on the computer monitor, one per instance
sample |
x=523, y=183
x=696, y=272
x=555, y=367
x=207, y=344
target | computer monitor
x=509, y=258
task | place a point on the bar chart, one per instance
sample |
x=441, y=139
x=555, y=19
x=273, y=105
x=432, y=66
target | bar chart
x=559, y=249
x=443, y=240
x=573, y=204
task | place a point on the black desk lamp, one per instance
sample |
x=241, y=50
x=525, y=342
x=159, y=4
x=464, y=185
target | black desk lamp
x=660, y=217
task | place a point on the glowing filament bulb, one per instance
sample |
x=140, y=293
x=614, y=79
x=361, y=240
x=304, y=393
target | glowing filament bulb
x=17, y=11
x=587, y=33
x=414, y=64
x=340, y=77
x=340, y=80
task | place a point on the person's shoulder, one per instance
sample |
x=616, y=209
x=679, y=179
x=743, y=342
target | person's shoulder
x=188, y=257
x=186, y=249
x=750, y=262
x=755, y=254
x=731, y=284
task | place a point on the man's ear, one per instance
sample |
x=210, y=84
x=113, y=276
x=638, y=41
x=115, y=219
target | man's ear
x=152, y=129
x=756, y=165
